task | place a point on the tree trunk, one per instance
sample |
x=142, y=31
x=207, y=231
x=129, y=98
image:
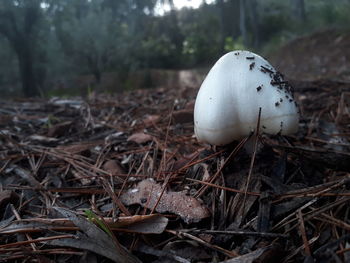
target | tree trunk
x=25, y=58
x=19, y=31
x=234, y=11
x=222, y=25
x=175, y=35
x=94, y=69
x=298, y=7
x=29, y=85
x=97, y=75
x=242, y=21
x=252, y=6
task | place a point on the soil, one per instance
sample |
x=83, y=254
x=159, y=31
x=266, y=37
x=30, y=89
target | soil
x=322, y=55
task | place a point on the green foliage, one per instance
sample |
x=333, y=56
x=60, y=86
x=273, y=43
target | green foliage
x=324, y=13
x=157, y=51
x=95, y=219
x=230, y=44
x=91, y=37
x=202, y=37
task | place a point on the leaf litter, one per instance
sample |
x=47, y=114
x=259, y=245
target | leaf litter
x=147, y=193
x=154, y=193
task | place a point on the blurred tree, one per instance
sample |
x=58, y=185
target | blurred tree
x=252, y=9
x=19, y=21
x=53, y=40
x=203, y=39
x=175, y=32
x=102, y=35
x=9, y=77
x=298, y=7
x=88, y=34
x=242, y=21
x=232, y=15
x=221, y=6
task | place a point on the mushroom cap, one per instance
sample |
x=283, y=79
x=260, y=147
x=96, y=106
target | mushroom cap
x=228, y=102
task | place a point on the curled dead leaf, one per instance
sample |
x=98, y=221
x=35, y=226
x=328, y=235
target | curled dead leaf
x=113, y=167
x=140, y=137
x=149, y=120
x=147, y=193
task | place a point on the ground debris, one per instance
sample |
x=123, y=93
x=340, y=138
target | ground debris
x=151, y=195
x=131, y=160
x=140, y=137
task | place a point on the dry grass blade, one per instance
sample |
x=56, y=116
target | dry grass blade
x=249, y=257
x=224, y=188
x=202, y=190
x=147, y=224
x=303, y=233
x=38, y=240
x=94, y=239
x=204, y=243
x=256, y=139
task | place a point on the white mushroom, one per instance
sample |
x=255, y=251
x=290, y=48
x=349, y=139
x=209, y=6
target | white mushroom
x=228, y=102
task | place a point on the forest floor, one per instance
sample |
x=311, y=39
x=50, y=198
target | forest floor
x=322, y=55
x=121, y=178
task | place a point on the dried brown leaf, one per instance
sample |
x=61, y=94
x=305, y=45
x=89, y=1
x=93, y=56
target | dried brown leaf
x=140, y=137
x=113, y=167
x=149, y=120
x=147, y=193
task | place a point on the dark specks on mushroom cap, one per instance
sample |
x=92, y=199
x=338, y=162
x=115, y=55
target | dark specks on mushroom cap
x=277, y=80
x=251, y=66
x=266, y=70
